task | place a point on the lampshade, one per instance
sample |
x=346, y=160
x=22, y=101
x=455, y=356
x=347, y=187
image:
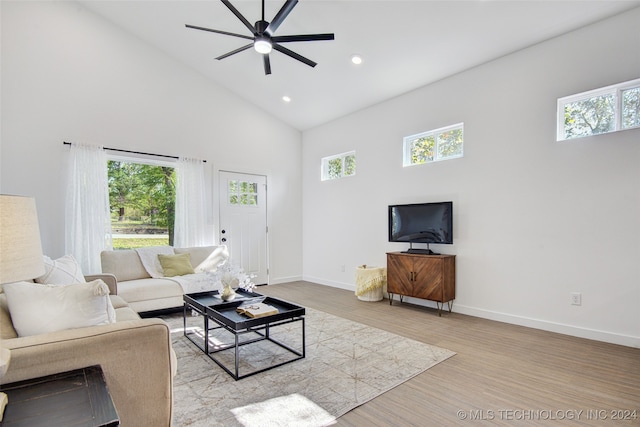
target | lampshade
x=20, y=247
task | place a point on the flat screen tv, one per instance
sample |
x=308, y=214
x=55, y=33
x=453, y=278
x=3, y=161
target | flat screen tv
x=421, y=223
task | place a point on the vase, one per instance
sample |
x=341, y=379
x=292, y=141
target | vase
x=227, y=293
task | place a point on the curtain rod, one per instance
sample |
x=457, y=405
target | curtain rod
x=136, y=152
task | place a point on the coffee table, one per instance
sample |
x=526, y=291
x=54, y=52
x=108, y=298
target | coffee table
x=238, y=329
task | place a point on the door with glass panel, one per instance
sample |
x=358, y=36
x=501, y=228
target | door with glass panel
x=243, y=222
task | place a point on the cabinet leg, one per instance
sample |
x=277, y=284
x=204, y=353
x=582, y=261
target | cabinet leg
x=390, y=298
x=441, y=305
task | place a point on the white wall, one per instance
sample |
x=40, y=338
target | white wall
x=69, y=75
x=534, y=219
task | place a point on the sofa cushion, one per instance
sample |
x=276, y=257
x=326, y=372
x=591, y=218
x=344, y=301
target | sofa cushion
x=117, y=302
x=62, y=271
x=124, y=264
x=148, y=289
x=38, y=309
x=126, y=313
x=176, y=265
x=205, y=258
x=156, y=304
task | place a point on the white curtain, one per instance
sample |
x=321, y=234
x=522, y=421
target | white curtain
x=87, y=220
x=190, y=204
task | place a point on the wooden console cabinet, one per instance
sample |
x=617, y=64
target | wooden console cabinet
x=430, y=277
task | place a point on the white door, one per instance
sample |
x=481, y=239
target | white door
x=243, y=222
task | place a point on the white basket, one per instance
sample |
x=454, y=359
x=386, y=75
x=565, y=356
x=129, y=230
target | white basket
x=374, y=295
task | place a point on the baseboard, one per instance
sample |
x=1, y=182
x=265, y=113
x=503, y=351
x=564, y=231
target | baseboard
x=347, y=286
x=576, y=331
x=592, y=334
x=278, y=280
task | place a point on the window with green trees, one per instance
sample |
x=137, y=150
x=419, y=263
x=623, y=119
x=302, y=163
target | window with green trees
x=609, y=109
x=142, y=199
x=243, y=193
x=338, y=166
x=434, y=145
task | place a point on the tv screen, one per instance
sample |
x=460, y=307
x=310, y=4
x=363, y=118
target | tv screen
x=421, y=223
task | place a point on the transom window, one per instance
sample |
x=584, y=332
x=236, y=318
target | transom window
x=243, y=193
x=339, y=166
x=434, y=145
x=608, y=109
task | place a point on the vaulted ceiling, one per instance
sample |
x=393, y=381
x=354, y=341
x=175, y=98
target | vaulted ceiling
x=404, y=44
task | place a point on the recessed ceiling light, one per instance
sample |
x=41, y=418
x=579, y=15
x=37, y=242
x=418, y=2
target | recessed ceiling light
x=286, y=98
x=356, y=59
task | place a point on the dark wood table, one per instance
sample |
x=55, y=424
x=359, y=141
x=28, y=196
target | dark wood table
x=68, y=399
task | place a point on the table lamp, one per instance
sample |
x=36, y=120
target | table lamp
x=20, y=253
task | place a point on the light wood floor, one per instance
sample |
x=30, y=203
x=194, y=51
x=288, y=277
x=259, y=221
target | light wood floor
x=502, y=374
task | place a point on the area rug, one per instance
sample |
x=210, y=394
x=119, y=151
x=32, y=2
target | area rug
x=346, y=364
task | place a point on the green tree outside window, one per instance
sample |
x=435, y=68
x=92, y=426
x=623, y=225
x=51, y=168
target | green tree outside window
x=142, y=200
x=439, y=144
x=631, y=108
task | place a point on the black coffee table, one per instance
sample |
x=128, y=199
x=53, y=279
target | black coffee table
x=241, y=330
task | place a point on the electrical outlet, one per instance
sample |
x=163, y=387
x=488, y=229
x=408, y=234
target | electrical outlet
x=576, y=298
x=342, y=268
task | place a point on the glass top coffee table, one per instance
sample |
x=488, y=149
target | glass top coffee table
x=237, y=342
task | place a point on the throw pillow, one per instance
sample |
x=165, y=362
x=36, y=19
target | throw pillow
x=176, y=265
x=62, y=271
x=40, y=309
x=149, y=259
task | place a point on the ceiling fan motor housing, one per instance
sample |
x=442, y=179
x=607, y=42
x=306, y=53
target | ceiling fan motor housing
x=261, y=27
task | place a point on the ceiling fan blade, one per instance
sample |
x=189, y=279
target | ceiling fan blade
x=233, y=52
x=218, y=32
x=239, y=16
x=281, y=15
x=294, y=55
x=303, y=38
x=267, y=64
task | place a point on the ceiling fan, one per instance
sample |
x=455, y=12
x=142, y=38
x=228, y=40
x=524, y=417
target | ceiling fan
x=263, y=40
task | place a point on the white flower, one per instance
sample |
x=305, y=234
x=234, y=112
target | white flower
x=228, y=274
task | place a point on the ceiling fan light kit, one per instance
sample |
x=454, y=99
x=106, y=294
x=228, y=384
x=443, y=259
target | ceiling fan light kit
x=262, y=45
x=263, y=40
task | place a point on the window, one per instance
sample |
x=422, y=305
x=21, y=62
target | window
x=434, y=145
x=243, y=193
x=339, y=166
x=142, y=199
x=609, y=109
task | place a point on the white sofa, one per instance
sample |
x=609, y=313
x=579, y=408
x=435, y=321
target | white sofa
x=144, y=293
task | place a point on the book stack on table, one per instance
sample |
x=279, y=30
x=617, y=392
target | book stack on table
x=256, y=310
